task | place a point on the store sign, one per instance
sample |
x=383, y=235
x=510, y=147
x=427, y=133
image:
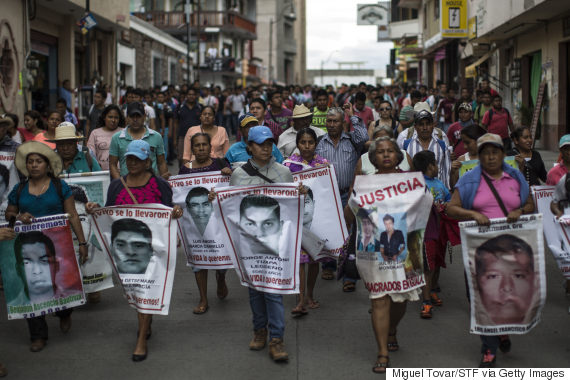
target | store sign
x=453, y=18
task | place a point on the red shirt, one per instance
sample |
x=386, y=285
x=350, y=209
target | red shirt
x=499, y=124
x=555, y=174
x=366, y=115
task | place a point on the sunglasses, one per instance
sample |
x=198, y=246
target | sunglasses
x=385, y=109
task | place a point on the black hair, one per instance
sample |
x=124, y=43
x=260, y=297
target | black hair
x=305, y=131
x=259, y=201
x=130, y=225
x=50, y=112
x=388, y=217
x=360, y=96
x=473, y=132
x=382, y=101
x=101, y=92
x=14, y=118
x=423, y=159
x=322, y=92
x=37, y=117
x=109, y=108
x=416, y=94
x=260, y=101
x=61, y=101
x=499, y=245
x=33, y=237
x=518, y=132
x=138, y=92
x=210, y=107
x=193, y=90
x=497, y=97
x=201, y=134
x=196, y=192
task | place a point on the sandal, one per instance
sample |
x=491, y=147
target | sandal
x=313, y=304
x=380, y=367
x=200, y=309
x=393, y=346
x=348, y=287
x=327, y=274
x=299, y=312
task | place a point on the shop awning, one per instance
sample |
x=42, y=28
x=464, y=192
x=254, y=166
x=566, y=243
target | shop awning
x=471, y=70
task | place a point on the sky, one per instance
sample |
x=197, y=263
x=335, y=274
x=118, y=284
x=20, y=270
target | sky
x=331, y=25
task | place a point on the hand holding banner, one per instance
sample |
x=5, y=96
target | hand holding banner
x=140, y=240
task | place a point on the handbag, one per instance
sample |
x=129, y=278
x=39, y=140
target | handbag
x=129, y=191
x=497, y=197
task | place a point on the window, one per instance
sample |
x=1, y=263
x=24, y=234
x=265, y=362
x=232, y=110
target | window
x=436, y=10
x=156, y=71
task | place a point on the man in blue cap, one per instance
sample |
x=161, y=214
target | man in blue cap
x=237, y=155
x=136, y=130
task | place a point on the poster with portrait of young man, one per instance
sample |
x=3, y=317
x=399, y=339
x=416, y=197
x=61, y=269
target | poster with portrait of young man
x=264, y=225
x=140, y=240
x=39, y=269
x=504, y=263
x=204, y=237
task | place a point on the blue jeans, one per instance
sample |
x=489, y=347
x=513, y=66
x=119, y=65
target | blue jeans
x=489, y=342
x=268, y=311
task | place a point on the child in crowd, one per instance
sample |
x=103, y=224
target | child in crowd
x=435, y=243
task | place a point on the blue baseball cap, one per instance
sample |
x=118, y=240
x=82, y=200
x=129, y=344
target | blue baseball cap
x=139, y=149
x=259, y=134
x=564, y=140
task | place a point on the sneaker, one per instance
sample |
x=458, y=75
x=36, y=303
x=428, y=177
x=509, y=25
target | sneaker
x=277, y=350
x=426, y=311
x=488, y=360
x=505, y=343
x=259, y=340
x=435, y=299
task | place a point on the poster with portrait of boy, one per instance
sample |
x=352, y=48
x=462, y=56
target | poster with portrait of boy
x=39, y=268
x=504, y=263
x=391, y=213
x=323, y=212
x=204, y=238
x=140, y=240
x=264, y=224
x=97, y=271
x=8, y=179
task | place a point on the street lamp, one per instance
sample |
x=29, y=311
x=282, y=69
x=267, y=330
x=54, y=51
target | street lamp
x=323, y=63
x=290, y=15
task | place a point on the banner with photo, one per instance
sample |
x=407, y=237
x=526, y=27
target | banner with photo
x=97, y=272
x=264, y=224
x=391, y=213
x=8, y=179
x=504, y=263
x=204, y=237
x=140, y=240
x=468, y=165
x=39, y=269
x=557, y=234
x=323, y=213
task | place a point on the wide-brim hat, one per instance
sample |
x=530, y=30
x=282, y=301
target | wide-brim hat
x=37, y=147
x=65, y=131
x=300, y=111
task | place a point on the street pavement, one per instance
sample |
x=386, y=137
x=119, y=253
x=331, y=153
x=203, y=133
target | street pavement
x=333, y=342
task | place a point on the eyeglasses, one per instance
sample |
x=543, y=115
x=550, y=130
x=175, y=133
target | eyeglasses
x=385, y=109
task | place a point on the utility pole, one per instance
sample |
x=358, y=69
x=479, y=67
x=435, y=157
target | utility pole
x=87, y=49
x=198, y=22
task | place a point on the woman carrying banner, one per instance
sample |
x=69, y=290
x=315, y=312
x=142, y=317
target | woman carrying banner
x=43, y=194
x=218, y=136
x=306, y=141
x=55, y=118
x=364, y=166
x=477, y=198
x=201, y=147
x=139, y=186
x=267, y=308
x=388, y=310
x=110, y=122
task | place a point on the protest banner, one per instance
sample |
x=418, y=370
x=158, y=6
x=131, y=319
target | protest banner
x=468, y=165
x=97, y=271
x=140, y=240
x=264, y=227
x=323, y=212
x=504, y=263
x=557, y=234
x=391, y=213
x=39, y=269
x=8, y=179
x=204, y=238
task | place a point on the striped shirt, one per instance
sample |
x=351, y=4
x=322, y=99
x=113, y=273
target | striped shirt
x=441, y=156
x=344, y=156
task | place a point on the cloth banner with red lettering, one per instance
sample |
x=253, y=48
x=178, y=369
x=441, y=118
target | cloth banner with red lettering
x=204, y=237
x=264, y=224
x=39, y=269
x=140, y=240
x=557, y=234
x=323, y=213
x=391, y=213
x=504, y=263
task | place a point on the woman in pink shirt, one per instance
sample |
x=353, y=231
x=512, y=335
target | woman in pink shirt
x=474, y=200
x=55, y=118
x=110, y=122
x=218, y=135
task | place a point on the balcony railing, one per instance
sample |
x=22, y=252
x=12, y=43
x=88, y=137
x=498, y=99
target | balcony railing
x=172, y=20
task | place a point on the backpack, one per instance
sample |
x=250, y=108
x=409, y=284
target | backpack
x=395, y=125
x=491, y=114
